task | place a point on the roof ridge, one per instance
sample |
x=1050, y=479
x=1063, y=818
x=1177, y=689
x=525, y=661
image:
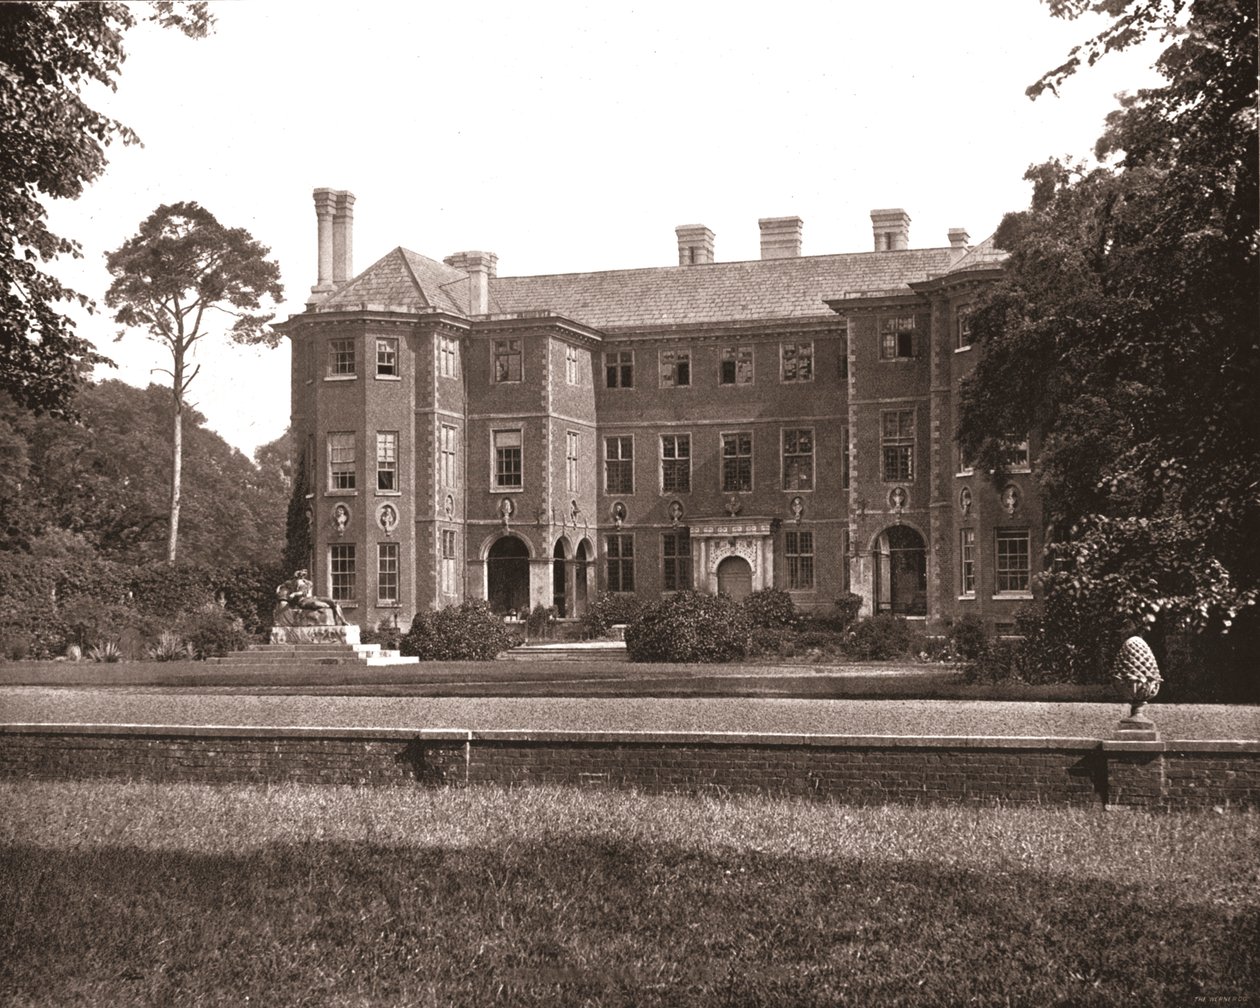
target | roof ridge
x=403, y=253
x=717, y=265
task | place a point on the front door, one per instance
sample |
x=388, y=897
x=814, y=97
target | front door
x=734, y=576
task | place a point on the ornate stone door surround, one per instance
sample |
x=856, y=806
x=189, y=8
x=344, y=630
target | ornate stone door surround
x=714, y=541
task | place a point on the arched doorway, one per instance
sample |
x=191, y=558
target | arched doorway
x=734, y=577
x=507, y=576
x=901, y=572
x=559, y=575
x=581, y=572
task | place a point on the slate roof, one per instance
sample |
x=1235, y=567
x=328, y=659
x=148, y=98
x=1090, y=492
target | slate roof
x=759, y=289
x=640, y=299
x=984, y=256
x=403, y=281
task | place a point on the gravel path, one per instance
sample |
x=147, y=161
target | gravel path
x=838, y=717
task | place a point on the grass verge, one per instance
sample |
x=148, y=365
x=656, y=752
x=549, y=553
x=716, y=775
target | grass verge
x=175, y=894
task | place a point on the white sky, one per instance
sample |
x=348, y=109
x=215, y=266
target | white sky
x=568, y=137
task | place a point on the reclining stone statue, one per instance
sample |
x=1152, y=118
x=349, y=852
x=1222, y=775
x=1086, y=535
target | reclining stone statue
x=300, y=606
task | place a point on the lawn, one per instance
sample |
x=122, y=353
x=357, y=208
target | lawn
x=138, y=894
x=886, y=680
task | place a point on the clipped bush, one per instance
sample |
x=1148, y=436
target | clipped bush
x=881, y=637
x=848, y=606
x=212, y=632
x=465, y=632
x=690, y=627
x=608, y=610
x=968, y=638
x=769, y=607
x=15, y=645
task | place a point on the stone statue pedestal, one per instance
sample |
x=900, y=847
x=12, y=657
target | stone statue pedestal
x=347, y=633
x=1137, y=728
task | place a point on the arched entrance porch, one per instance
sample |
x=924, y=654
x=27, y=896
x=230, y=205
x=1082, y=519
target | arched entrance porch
x=581, y=576
x=560, y=593
x=900, y=572
x=507, y=575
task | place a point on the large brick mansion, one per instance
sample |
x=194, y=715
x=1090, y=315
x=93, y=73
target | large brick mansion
x=724, y=426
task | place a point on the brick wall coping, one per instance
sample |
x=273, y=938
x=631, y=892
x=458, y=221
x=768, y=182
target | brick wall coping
x=643, y=737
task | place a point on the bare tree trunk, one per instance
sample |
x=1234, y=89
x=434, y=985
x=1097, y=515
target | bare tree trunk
x=177, y=454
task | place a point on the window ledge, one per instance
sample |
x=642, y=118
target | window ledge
x=388, y=493
x=388, y=377
x=964, y=474
x=341, y=493
x=966, y=598
x=341, y=377
x=962, y=349
x=799, y=490
x=501, y=490
x=1017, y=595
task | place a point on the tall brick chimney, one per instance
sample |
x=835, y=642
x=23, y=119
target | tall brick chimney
x=780, y=237
x=958, y=239
x=695, y=244
x=343, y=236
x=481, y=267
x=325, y=210
x=892, y=230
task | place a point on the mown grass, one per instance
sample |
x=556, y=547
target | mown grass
x=569, y=678
x=141, y=894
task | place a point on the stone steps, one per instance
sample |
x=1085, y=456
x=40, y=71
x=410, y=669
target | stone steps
x=587, y=651
x=283, y=655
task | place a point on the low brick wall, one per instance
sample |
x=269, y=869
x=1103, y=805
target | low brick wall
x=844, y=768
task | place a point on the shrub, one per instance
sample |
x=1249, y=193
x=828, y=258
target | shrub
x=212, y=633
x=772, y=643
x=106, y=651
x=998, y=661
x=388, y=635
x=769, y=607
x=968, y=637
x=690, y=627
x=465, y=632
x=540, y=621
x=880, y=637
x=16, y=645
x=848, y=606
x=169, y=647
x=609, y=609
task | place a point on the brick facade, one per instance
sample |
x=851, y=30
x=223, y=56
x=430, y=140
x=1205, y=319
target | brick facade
x=786, y=422
x=849, y=769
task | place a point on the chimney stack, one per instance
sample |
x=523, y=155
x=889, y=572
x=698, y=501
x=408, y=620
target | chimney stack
x=695, y=244
x=325, y=208
x=343, y=237
x=481, y=268
x=780, y=237
x=958, y=239
x=892, y=230
x=334, y=214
